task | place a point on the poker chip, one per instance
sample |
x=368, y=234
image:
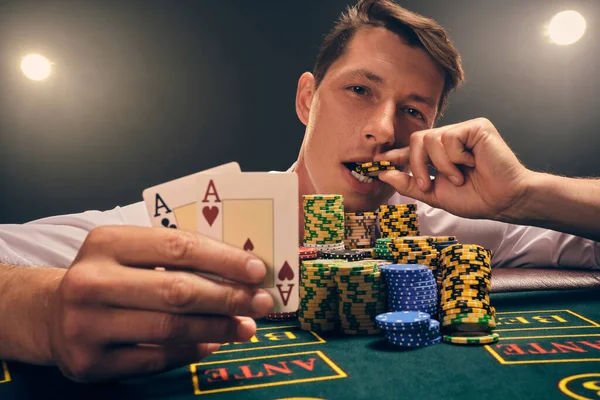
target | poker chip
x=409, y=328
x=360, y=229
x=323, y=221
x=410, y=287
x=464, y=283
x=359, y=268
x=398, y=220
x=471, y=338
x=341, y=295
x=373, y=168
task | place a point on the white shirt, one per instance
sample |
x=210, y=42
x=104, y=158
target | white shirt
x=55, y=241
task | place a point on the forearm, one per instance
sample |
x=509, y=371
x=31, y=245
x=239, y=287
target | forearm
x=563, y=204
x=25, y=296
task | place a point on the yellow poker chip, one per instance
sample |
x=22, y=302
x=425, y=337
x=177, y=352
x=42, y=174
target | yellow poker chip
x=484, y=262
x=455, y=274
x=468, y=287
x=467, y=299
x=470, y=325
x=472, y=338
x=465, y=275
x=469, y=265
x=464, y=303
x=467, y=252
x=458, y=248
x=455, y=311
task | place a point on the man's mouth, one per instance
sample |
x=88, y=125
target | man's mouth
x=361, y=178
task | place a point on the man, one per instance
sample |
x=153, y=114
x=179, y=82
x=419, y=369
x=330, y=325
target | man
x=379, y=85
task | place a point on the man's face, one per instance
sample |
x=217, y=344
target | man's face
x=370, y=101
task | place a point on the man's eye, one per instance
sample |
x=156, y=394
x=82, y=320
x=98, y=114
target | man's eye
x=414, y=113
x=358, y=90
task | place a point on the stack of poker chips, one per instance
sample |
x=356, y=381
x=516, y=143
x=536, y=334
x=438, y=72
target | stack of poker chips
x=318, y=309
x=465, y=311
x=408, y=250
x=323, y=221
x=360, y=230
x=335, y=293
x=410, y=287
x=304, y=253
x=409, y=328
x=373, y=168
x=347, y=255
x=359, y=296
x=398, y=220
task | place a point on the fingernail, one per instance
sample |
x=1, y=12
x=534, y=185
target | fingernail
x=454, y=180
x=256, y=269
x=261, y=303
x=421, y=183
x=246, y=329
x=212, y=347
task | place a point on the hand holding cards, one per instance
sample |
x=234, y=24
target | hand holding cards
x=256, y=211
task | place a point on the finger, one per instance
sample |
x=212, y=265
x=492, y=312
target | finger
x=419, y=159
x=115, y=326
x=440, y=160
x=135, y=361
x=456, y=148
x=165, y=291
x=150, y=247
x=396, y=156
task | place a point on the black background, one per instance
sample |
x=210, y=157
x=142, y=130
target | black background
x=147, y=91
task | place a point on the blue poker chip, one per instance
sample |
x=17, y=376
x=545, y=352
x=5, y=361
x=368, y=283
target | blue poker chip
x=408, y=270
x=405, y=283
x=407, y=337
x=404, y=319
x=422, y=302
x=426, y=280
x=399, y=308
x=426, y=332
x=431, y=342
x=411, y=292
x=432, y=296
x=412, y=306
x=421, y=337
x=422, y=285
x=402, y=289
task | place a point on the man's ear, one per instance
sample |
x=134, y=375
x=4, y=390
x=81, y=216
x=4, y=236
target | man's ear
x=304, y=95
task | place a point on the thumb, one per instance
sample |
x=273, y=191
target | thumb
x=405, y=185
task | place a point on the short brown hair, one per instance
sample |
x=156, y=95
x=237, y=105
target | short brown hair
x=416, y=29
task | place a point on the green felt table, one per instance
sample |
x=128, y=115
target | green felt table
x=549, y=349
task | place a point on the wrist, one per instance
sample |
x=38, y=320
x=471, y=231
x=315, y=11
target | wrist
x=48, y=290
x=26, y=298
x=525, y=206
x=531, y=206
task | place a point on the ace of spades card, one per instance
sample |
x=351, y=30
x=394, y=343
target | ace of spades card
x=258, y=212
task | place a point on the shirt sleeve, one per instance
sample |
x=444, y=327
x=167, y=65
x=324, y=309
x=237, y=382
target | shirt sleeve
x=513, y=246
x=55, y=241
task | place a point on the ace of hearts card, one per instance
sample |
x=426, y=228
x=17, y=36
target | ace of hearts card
x=257, y=212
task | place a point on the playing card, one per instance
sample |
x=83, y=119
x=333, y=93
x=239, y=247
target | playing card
x=258, y=212
x=173, y=204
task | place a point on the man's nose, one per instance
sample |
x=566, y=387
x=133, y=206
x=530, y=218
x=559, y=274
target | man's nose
x=381, y=126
